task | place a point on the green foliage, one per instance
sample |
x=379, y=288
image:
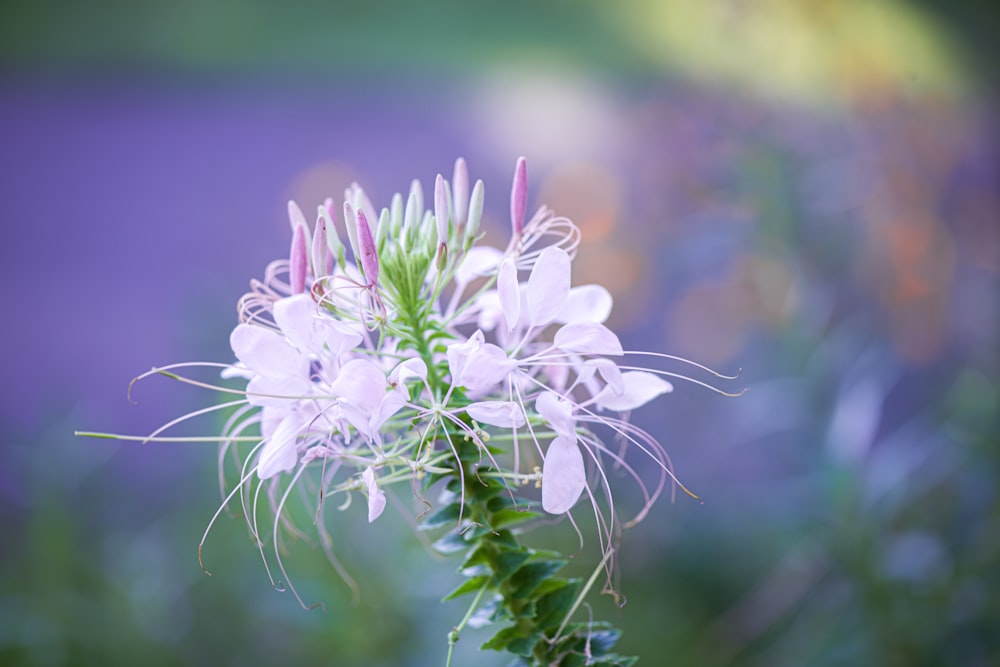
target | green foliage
x=514, y=584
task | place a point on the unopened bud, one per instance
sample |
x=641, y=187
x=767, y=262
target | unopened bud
x=298, y=260
x=460, y=192
x=519, y=197
x=475, y=213
x=441, y=209
x=366, y=244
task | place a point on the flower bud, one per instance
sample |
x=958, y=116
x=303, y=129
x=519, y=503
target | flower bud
x=298, y=260
x=519, y=197
x=366, y=244
x=460, y=191
x=441, y=209
x=475, y=213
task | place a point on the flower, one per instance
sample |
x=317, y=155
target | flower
x=371, y=363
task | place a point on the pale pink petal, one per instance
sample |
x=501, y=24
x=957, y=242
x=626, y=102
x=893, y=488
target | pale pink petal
x=563, y=475
x=610, y=372
x=640, y=388
x=408, y=370
x=479, y=261
x=362, y=384
x=558, y=412
x=505, y=414
x=376, y=499
x=548, y=285
x=310, y=329
x=510, y=292
x=586, y=303
x=267, y=352
x=477, y=365
x=276, y=391
x=587, y=338
x=278, y=454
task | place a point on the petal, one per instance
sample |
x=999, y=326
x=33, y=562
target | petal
x=267, y=352
x=278, y=454
x=476, y=365
x=505, y=414
x=548, y=285
x=640, y=388
x=510, y=292
x=360, y=383
x=376, y=499
x=408, y=370
x=586, y=303
x=558, y=412
x=309, y=328
x=611, y=374
x=563, y=476
x=479, y=261
x=587, y=338
x=276, y=392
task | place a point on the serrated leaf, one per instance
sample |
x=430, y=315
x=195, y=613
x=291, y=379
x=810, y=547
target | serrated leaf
x=481, y=556
x=531, y=575
x=447, y=515
x=514, y=639
x=469, y=586
x=510, y=517
x=553, y=607
x=451, y=542
x=507, y=562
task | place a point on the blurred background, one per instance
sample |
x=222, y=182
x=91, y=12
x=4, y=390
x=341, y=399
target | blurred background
x=804, y=190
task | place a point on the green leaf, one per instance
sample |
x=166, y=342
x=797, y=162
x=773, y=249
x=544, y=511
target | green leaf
x=510, y=517
x=446, y=515
x=469, y=586
x=553, y=607
x=531, y=576
x=451, y=542
x=516, y=639
x=508, y=561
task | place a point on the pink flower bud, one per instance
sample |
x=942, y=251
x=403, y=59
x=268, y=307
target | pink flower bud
x=519, y=197
x=298, y=260
x=366, y=246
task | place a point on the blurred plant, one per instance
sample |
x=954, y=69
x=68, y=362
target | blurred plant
x=367, y=374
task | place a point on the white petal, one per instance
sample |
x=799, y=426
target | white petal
x=505, y=414
x=548, y=285
x=310, y=329
x=490, y=312
x=558, y=412
x=376, y=499
x=267, y=352
x=476, y=365
x=563, y=476
x=510, y=292
x=587, y=338
x=479, y=261
x=278, y=453
x=586, y=303
x=408, y=370
x=640, y=388
x=360, y=383
x=611, y=374
x=264, y=390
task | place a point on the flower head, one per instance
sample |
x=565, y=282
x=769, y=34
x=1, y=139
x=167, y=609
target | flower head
x=366, y=370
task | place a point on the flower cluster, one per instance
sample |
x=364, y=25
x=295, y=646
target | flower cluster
x=384, y=358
